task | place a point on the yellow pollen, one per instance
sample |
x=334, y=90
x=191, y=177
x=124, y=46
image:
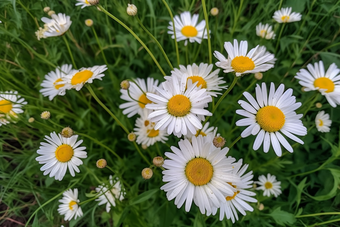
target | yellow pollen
x=270, y=118
x=285, y=18
x=198, y=79
x=143, y=100
x=199, y=171
x=324, y=83
x=268, y=185
x=81, y=77
x=242, y=63
x=152, y=133
x=146, y=123
x=58, y=85
x=5, y=106
x=201, y=133
x=189, y=31
x=64, y=153
x=70, y=205
x=179, y=106
x=321, y=122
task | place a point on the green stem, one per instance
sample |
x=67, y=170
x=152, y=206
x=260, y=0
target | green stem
x=317, y=214
x=141, y=154
x=23, y=6
x=69, y=51
x=235, y=141
x=305, y=17
x=134, y=35
x=278, y=40
x=326, y=222
x=207, y=27
x=107, y=109
x=311, y=103
x=236, y=18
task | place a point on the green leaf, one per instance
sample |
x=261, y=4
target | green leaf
x=282, y=217
x=144, y=196
x=336, y=176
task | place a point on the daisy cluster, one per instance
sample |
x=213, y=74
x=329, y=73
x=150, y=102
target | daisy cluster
x=10, y=106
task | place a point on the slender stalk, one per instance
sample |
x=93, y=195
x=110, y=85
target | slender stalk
x=237, y=16
x=317, y=214
x=141, y=154
x=311, y=103
x=278, y=40
x=134, y=35
x=207, y=27
x=23, y=6
x=305, y=17
x=235, y=141
x=326, y=222
x=69, y=51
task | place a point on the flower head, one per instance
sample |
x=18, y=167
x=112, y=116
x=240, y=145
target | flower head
x=322, y=122
x=265, y=31
x=285, y=15
x=57, y=26
x=131, y=10
x=70, y=205
x=110, y=193
x=269, y=185
x=10, y=106
x=83, y=3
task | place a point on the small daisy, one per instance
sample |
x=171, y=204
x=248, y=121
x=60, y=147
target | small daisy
x=145, y=130
x=77, y=78
x=328, y=84
x=239, y=200
x=205, y=131
x=202, y=75
x=60, y=154
x=110, y=193
x=70, y=205
x=178, y=108
x=10, y=105
x=322, y=121
x=241, y=62
x=265, y=31
x=269, y=185
x=57, y=26
x=199, y=172
x=50, y=85
x=270, y=117
x=83, y=3
x=285, y=15
x=186, y=27
x=136, y=95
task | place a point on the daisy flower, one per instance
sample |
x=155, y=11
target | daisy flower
x=57, y=26
x=285, y=15
x=199, y=172
x=201, y=74
x=265, y=31
x=10, y=105
x=241, y=62
x=178, y=108
x=77, y=78
x=205, y=131
x=322, y=122
x=109, y=193
x=271, y=116
x=60, y=154
x=239, y=200
x=83, y=3
x=269, y=185
x=136, y=95
x=145, y=130
x=186, y=28
x=69, y=205
x=328, y=84
x=49, y=84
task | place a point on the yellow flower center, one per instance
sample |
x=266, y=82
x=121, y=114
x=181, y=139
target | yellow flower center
x=320, y=122
x=179, y=106
x=241, y=64
x=285, y=18
x=143, y=100
x=324, y=83
x=263, y=32
x=270, y=118
x=198, y=79
x=199, y=171
x=152, y=133
x=268, y=185
x=70, y=205
x=64, y=153
x=87, y=2
x=81, y=77
x=201, y=133
x=189, y=31
x=5, y=106
x=146, y=123
x=58, y=85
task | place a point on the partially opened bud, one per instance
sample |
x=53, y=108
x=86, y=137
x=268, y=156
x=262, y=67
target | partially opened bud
x=132, y=136
x=67, y=132
x=131, y=10
x=45, y=115
x=214, y=11
x=219, y=141
x=101, y=163
x=147, y=173
x=158, y=161
x=125, y=84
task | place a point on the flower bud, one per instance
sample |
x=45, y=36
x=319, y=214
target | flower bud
x=258, y=76
x=45, y=115
x=50, y=13
x=158, y=161
x=260, y=206
x=125, y=84
x=47, y=9
x=31, y=120
x=67, y=132
x=88, y=22
x=219, y=141
x=318, y=105
x=214, y=11
x=132, y=136
x=131, y=10
x=147, y=173
x=144, y=146
x=93, y=2
x=101, y=163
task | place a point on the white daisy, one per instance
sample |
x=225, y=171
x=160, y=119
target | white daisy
x=60, y=154
x=83, y=3
x=265, y=31
x=285, y=15
x=239, y=200
x=186, y=28
x=145, y=130
x=205, y=131
x=199, y=172
x=270, y=117
x=269, y=185
x=136, y=95
x=10, y=105
x=49, y=84
x=178, y=108
x=322, y=122
x=57, y=26
x=202, y=75
x=109, y=193
x=77, y=78
x=241, y=62
x=70, y=205
x=328, y=84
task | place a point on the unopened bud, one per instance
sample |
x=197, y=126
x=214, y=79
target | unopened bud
x=219, y=141
x=93, y=2
x=88, y=22
x=147, y=173
x=254, y=186
x=131, y=10
x=260, y=206
x=144, y=146
x=67, y=132
x=158, y=161
x=318, y=105
x=303, y=89
x=258, y=76
x=31, y=119
x=50, y=13
x=214, y=11
x=47, y=9
x=101, y=163
x=45, y=115
x=132, y=136
x=125, y=84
